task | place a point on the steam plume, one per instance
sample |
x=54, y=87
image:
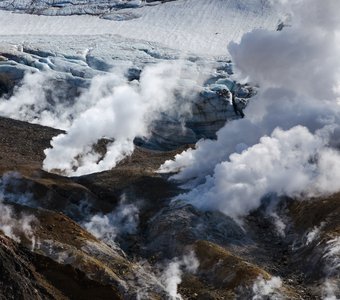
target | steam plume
x=119, y=111
x=287, y=144
x=12, y=224
x=172, y=275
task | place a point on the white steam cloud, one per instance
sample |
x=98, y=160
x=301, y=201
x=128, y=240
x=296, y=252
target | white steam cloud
x=277, y=220
x=287, y=143
x=293, y=162
x=331, y=287
x=27, y=102
x=14, y=225
x=314, y=234
x=172, y=275
x=113, y=108
x=41, y=99
x=119, y=111
x=124, y=219
x=267, y=289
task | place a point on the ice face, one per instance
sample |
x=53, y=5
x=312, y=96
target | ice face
x=76, y=49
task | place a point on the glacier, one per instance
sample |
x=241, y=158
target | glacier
x=75, y=49
x=199, y=26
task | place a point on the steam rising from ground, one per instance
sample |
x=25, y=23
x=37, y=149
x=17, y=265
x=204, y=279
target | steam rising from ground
x=293, y=162
x=124, y=219
x=172, y=275
x=331, y=289
x=287, y=142
x=119, y=111
x=12, y=224
x=267, y=289
x=113, y=108
x=28, y=102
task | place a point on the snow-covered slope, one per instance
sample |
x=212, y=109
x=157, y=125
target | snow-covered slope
x=57, y=7
x=200, y=26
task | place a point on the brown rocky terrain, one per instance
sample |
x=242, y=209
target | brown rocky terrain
x=251, y=84
x=58, y=259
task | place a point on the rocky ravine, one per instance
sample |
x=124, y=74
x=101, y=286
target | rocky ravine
x=47, y=253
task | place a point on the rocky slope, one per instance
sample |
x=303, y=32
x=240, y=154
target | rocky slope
x=172, y=247
x=118, y=234
x=132, y=87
